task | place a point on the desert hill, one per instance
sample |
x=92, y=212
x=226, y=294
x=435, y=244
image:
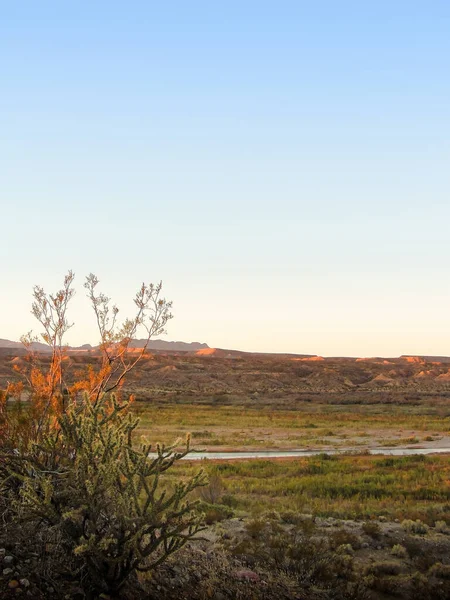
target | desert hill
x=38, y=346
x=229, y=375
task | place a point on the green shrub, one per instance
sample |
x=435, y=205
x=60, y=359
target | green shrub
x=440, y=571
x=304, y=523
x=372, y=529
x=345, y=549
x=255, y=527
x=441, y=527
x=399, y=551
x=214, y=513
x=230, y=500
x=343, y=537
x=416, y=527
x=423, y=587
x=290, y=516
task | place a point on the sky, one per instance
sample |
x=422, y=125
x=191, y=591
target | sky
x=283, y=168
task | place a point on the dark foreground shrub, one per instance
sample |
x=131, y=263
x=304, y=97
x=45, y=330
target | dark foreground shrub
x=309, y=562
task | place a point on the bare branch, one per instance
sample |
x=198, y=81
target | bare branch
x=152, y=315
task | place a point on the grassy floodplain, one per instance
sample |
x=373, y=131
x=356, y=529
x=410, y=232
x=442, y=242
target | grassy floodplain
x=344, y=487
x=308, y=426
x=354, y=485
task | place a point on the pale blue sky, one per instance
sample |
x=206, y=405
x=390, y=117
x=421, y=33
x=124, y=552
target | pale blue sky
x=283, y=167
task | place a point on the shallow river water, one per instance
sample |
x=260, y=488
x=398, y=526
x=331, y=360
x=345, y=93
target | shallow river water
x=300, y=453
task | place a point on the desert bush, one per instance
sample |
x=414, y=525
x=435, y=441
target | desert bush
x=343, y=537
x=423, y=587
x=230, y=500
x=441, y=527
x=304, y=523
x=317, y=570
x=389, y=585
x=290, y=516
x=415, y=527
x=345, y=549
x=440, y=571
x=413, y=547
x=325, y=456
x=215, y=574
x=385, y=568
x=372, y=529
x=399, y=551
x=214, y=513
x=255, y=527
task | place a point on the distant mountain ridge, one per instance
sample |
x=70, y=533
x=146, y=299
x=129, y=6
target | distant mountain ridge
x=202, y=349
x=161, y=345
x=38, y=346
x=168, y=346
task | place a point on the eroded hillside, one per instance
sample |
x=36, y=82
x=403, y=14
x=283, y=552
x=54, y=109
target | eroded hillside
x=222, y=376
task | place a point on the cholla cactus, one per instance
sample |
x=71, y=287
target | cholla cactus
x=69, y=463
x=106, y=496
